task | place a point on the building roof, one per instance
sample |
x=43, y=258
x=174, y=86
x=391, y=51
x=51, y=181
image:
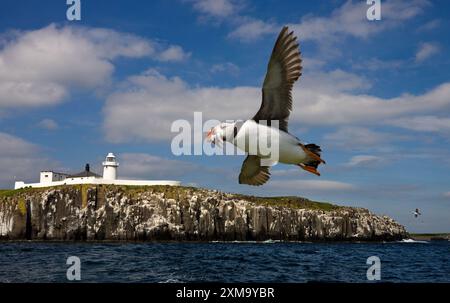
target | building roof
x=86, y=173
x=55, y=172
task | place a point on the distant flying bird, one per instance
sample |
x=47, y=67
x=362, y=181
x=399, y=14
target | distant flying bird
x=416, y=213
x=283, y=70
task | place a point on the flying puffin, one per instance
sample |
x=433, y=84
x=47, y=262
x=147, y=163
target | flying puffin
x=283, y=70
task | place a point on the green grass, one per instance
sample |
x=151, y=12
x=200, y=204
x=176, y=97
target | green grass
x=170, y=192
x=12, y=192
x=180, y=193
x=291, y=202
x=7, y=192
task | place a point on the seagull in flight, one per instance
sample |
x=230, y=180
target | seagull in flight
x=270, y=123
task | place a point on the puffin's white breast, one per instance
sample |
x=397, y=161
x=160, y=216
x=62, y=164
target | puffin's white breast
x=259, y=139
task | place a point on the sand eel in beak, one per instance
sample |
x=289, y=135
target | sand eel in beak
x=283, y=70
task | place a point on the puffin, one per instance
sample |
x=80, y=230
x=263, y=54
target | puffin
x=270, y=123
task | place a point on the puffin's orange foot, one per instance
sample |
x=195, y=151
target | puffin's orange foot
x=310, y=169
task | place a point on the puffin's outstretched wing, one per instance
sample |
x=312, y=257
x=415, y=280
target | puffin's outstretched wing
x=284, y=69
x=252, y=173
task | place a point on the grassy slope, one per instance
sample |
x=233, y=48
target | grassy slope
x=292, y=202
x=180, y=192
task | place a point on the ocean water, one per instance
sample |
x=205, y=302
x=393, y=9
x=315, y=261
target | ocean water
x=224, y=262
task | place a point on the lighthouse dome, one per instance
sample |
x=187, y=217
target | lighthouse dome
x=110, y=157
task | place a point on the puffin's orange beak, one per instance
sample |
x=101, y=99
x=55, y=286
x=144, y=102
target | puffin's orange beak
x=210, y=136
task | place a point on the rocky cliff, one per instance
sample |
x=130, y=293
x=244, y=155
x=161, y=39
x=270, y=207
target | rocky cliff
x=87, y=212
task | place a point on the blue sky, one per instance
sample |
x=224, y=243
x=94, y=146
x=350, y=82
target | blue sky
x=375, y=95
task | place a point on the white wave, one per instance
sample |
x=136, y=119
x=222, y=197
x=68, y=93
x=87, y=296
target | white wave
x=272, y=241
x=170, y=280
x=260, y=242
x=411, y=241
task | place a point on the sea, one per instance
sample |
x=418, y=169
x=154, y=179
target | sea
x=407, y=261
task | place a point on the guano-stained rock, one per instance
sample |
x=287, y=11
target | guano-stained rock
x=182, y=214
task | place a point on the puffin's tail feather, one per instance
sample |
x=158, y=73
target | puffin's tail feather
x=314, y=148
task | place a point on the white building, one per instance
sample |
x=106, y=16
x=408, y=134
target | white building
x=110, y=165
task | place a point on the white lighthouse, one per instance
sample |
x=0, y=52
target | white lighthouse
x=110, y=167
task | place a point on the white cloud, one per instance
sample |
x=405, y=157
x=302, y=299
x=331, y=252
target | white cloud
x=426, y=50
x=424, y=123
x=252, y=29
x=246, y=28
x=364, y=161
x=30, y=93
x=356, y=138
x=313, y=64
x=430, y=25
x=226, y=67
x=142, y=165
x=14, y=146
x=310, y=185
x=174, y=53
x=350, y=20
x=340, y=108
x=39, y=67
x=361, y=139
x=289, y=172
x=216, y=8
x=331, y=82
x=375, y=64
x=20, y=159
x=146, y=105
x=48, y=124
x=149, y=103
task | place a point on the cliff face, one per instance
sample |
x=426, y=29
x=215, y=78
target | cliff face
x=180, y=213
